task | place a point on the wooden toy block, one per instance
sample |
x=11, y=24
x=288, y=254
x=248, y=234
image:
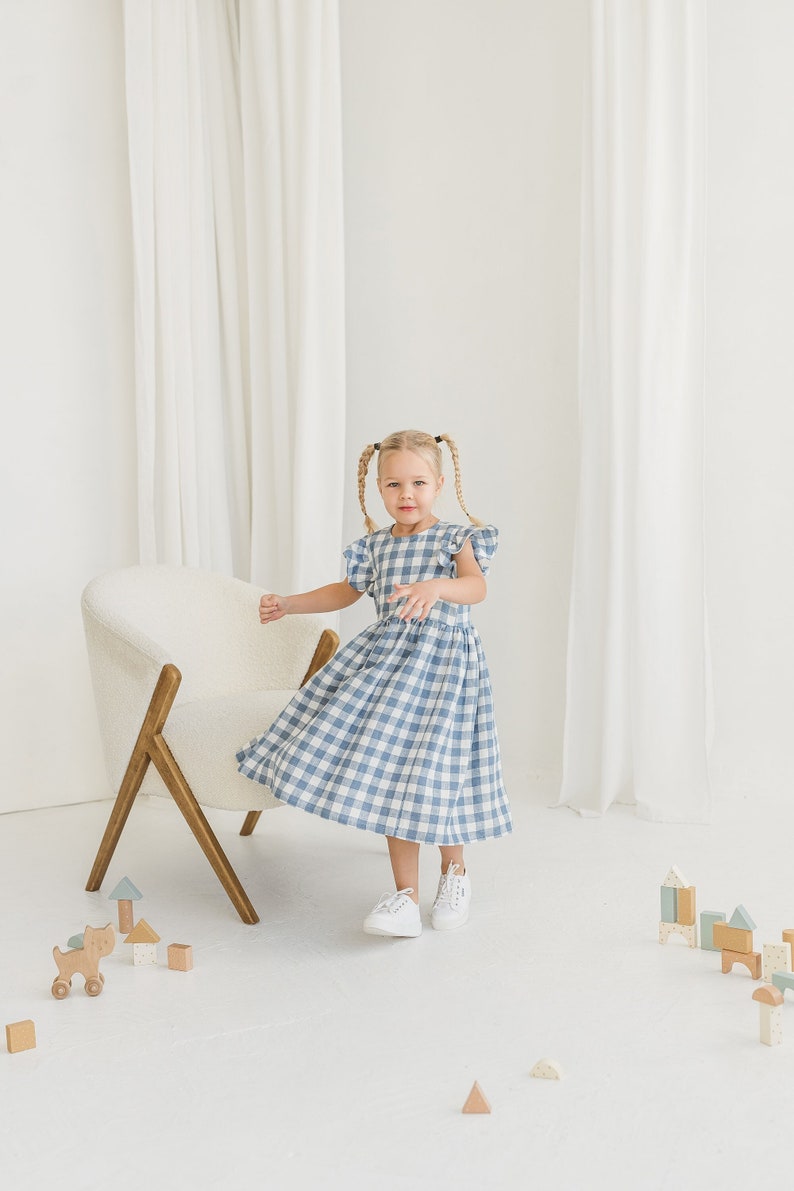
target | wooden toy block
x=144, y=942
x=476, y=1101
x=767, y=994
x=125, y=894
x=20, y=1035
x=777, y=958
x=547, y=1069
x=783, y=980
x=669, y=897
x=751, y=961
x=690, y=933
x=788, y=937
x=97, y=942
x=741, y=919
x=770, y=1014
x=675, y=879
x=732, y=938
x=180, y=957
x=771, y=1024
x=686, y=906
x=707, y=920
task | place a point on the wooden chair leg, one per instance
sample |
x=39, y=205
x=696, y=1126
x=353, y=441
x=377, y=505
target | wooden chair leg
x=326, y=648
x=185, y=799
x=159, y=706
x=150, y=746
x=250, y=822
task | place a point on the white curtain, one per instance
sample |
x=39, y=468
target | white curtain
x=234, y=118
x=638, y=697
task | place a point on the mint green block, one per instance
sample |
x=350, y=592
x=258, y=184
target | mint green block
x=741, y=919
x=707, y=920
x=669, y=904
x=783, y=980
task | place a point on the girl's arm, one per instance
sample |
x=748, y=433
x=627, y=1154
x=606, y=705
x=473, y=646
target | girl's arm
x=331, y=598
x=469, y=587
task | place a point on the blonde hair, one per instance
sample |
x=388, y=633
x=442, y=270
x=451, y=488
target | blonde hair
x=421, y=444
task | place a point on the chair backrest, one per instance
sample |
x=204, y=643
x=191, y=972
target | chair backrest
x=206, y=624
x=139, y=618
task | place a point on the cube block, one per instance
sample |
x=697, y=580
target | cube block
x=180, y=957
x=20, y=1035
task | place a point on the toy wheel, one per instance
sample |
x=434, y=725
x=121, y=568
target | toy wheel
x=60, y=988
x=93, y=987
x=101, y=977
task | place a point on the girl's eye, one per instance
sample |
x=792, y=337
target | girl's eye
x=419, y=483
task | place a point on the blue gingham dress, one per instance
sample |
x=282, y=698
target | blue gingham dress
x=396, y=733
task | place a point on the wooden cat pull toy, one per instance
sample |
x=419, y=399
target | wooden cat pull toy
x=97, y=941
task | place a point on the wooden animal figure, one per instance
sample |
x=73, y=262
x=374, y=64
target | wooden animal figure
x=97, y=941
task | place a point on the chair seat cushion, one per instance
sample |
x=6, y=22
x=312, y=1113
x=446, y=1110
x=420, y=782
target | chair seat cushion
x=204, y=736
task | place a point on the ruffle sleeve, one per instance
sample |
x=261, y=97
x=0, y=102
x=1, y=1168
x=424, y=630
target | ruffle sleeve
x=360, y=569
x=484, y=541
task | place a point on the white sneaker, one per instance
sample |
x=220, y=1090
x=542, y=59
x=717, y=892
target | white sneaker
x=451, y=907
x=396, y=915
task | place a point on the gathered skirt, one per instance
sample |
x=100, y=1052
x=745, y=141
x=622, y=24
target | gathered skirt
x=395, y=735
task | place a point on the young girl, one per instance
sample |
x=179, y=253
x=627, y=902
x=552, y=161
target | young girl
x=396, y=733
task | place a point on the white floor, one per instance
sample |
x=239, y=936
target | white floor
x=301, y=1053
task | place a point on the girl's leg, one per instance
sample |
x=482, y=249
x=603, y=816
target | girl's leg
x=452, y=855
x=404, y=857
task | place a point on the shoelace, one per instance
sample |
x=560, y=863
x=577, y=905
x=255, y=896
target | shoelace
x=448, y=889
x=391, y=901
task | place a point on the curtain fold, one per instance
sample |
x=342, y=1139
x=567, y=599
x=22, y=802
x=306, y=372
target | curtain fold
x=234, y=119
x=637, y=722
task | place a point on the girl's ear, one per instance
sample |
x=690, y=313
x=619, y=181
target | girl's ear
x=440, y=483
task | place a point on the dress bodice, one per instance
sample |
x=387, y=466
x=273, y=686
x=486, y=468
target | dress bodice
x=377, y=562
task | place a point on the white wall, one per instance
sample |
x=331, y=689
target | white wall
x=67, y=475
x=750, y=388
x=461, y=128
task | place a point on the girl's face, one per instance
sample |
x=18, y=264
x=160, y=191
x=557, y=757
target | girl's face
x=408, y=488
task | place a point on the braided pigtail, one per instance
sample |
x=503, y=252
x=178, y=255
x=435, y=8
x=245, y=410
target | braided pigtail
x=363, y=468
x=453, y=450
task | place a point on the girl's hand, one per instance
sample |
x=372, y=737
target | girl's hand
x=419, y=598
x=271, y=608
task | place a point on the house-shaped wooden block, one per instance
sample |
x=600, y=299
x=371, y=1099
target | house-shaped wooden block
x=144, y=943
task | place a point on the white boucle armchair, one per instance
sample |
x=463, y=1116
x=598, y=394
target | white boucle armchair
x=184, y=675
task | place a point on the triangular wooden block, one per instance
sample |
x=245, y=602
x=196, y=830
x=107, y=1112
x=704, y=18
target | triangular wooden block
x=675, y=879
x=476, y=1101
x=142, y=933
x=125, y=891
x=546, y=1069
x=741, y=919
